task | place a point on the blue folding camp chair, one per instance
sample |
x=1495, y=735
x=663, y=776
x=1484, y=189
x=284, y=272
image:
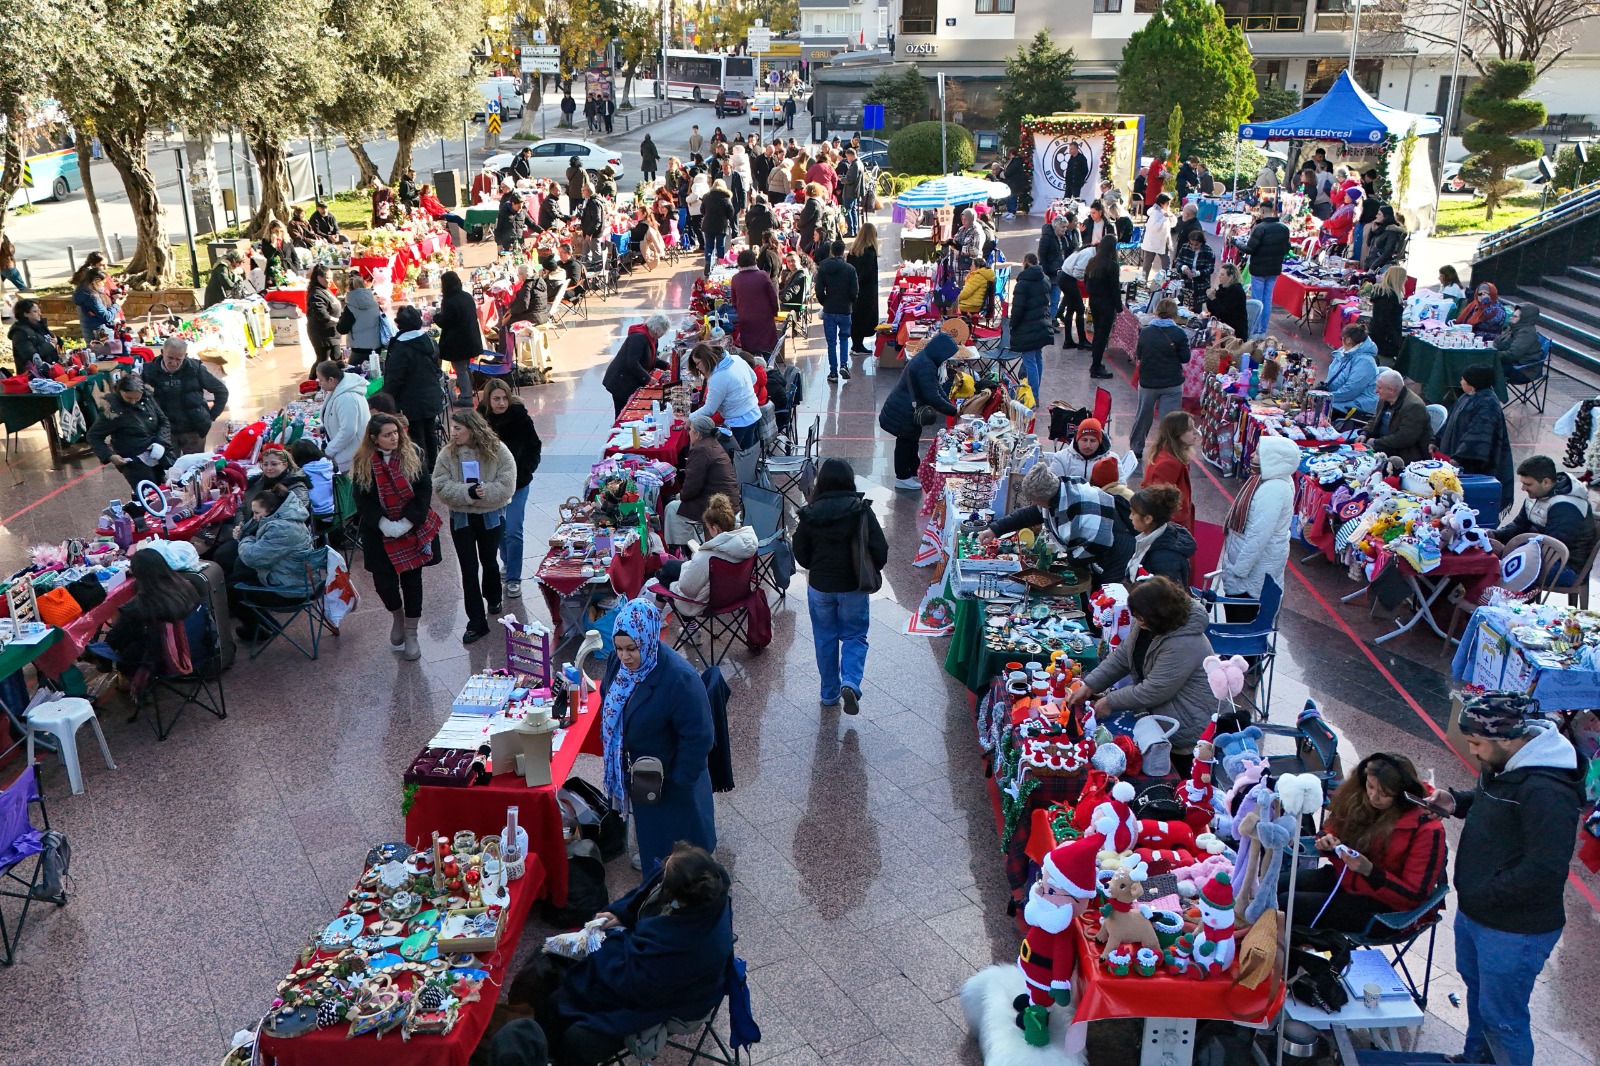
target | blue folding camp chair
x=278, y=607
x=19, y=842
x=1257, y=638
x=764, y=513
x=189, y=667
x=1399, y=932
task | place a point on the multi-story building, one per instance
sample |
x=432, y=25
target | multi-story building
x=830, y=27
x=1301, y=45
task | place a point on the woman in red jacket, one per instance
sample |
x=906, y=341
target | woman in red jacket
x=1387, y=853
x=1166, y=461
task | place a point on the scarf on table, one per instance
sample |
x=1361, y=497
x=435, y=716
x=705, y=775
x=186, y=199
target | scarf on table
x=640, y=620
x=1241, y=505
x=413, y=548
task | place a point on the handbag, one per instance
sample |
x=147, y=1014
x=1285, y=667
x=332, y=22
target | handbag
x=646, y=779
x=1158, y=802
x=1258, y=949
x=868, y=577
x=57, y=607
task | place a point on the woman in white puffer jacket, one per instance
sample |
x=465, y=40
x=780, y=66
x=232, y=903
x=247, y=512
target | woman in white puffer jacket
x=1257, y=539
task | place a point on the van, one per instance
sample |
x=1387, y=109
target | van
x=507, y=90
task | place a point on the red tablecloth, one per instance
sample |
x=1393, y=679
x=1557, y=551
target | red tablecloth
x=556, y=581
x=1291, y=292
x=296, y=296
x=1476, y=571
x=482, y=808
x=671, y=451
x=76, y=635
x=1338, y=318
x=332, y=1047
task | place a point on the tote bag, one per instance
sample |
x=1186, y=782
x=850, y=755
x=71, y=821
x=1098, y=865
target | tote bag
x=868, y=577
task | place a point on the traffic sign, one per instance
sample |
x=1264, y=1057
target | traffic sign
x=772, y=78
x=541, y=59
x=872, y=117
x=494, y=115
x=758, y=39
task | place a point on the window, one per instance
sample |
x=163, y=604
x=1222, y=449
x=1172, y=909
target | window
x=919, y=16
x=1146, y=7
x=996, y=7
x=1273, y=72
x=1107, y=7
x=1266, y=16
x=1322, y=73
x=1456, y=121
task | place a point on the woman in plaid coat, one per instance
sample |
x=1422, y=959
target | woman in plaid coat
x=394, y=497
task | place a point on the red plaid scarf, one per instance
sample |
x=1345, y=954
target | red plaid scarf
x=414, y=548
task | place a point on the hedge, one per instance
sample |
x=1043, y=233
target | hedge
x=915, y=149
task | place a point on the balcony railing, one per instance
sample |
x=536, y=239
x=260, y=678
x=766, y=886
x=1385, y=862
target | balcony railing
x=1268, y=23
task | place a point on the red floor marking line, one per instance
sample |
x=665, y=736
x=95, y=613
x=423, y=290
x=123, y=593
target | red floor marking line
x=10, y=518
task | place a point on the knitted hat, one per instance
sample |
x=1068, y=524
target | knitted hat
x=1497, y=715
x=1071, y=867
x=1091, y=427
x=1218, y=892
x=1105, y=472
x=1479, y=375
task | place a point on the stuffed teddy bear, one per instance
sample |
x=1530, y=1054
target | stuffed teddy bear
x=1238, y=750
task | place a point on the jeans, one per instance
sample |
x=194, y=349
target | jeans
x=1011, y=204
x=852, y=217
x=477, y=548
x=1261, y=289
x=1152, y=403
x=839, y=632
x=716, y=248
x=837, y=329
x=1033, y=370
x=450, y=216
x=746, y=436
x=1055, y=300
x=14, y=276
x=511, y=534
x=907, y=455
x=1499, y=970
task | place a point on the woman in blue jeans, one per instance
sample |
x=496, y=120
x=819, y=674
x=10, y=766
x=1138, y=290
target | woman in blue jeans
x=826, y=542
x=503, y=409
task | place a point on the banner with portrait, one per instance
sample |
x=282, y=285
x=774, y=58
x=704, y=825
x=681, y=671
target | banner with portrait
x=1056, y=167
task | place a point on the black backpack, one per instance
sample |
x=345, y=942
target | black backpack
x=586, y=886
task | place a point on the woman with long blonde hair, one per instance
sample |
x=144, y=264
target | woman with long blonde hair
x=1388, y=304
x=393, y=499
x=476, y=476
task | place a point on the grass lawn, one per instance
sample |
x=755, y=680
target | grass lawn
x=1464, y=214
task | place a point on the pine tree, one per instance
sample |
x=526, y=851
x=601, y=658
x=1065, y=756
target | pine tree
x=1175, y=137
x=1501, y=112
x=1038, y=82
x=1187, y=53
x=904, y=96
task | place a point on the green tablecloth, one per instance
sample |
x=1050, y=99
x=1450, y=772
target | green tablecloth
x=481, y=216
x=972, y=663
x=14, y=657
x=921, y=248
x=1438, y=369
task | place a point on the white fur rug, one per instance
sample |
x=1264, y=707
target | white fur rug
x=986, y=1001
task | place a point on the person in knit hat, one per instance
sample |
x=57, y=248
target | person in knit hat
x=1049, y=954
x=1089, y=444
x=1107, y=474
x=1475, y=437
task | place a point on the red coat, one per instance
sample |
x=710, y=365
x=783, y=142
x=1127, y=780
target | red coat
x=824, y=175
x=1154, y=178
x=1407, y=866
x=1166, y=470
x=755, y=298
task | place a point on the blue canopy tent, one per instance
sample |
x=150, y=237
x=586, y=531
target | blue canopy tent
x=1346, y=114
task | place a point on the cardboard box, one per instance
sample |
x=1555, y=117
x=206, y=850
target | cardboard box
x=471, y=944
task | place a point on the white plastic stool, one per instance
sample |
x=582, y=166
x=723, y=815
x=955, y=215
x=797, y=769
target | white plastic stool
x=62, y=719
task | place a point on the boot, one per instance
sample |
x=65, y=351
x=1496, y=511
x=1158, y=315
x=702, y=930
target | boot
x=413, y=650
x=1020, y=1005
x=397, y=630
x=1036, y=1025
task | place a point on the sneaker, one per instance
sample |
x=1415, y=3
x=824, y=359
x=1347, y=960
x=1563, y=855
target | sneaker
x=634, y=862
x=908, y=483
x=514, y=589
x=1100, y=372
x=844, y=372
x=852, y=700
x=1010, y=215
x=832, y=376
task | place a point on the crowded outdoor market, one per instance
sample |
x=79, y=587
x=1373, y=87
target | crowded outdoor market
x=1082, y=611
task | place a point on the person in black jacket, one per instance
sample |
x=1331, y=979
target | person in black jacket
x=31, y=337
x=649, y=158
x=460, y=335
x=1511, y=864
x=179, y=385
x=1266, y=247
x=531, y=302
x=411, y=374
x=506, y=414
x=511, y=223
x=716, y=219
x=1475, y=436
x=133, y=433
x=1226, y=301
x=758, y=220
x=1161, y=547
x=1103, y=278
x=1053, y=252
x=1077, y=173
x=322, y=317
x=636, y=360
x=1386, y=240
x=920, y=393
x=1030, y=321
x=1388, y=307
x=837, y=286
x=827, y=542
x=865, y=316
x=1163, y=349
x=322, y=222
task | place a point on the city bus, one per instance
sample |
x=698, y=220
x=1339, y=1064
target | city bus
x=701, y=75
x=49, y=164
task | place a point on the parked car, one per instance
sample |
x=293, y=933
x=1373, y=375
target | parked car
x=1454, y=182
x=767, y=107
x=729, y=104
x=507, y=91
x=550, y=158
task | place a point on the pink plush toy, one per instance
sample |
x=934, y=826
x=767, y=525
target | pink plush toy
x=1216, y=860
x=1226, y=676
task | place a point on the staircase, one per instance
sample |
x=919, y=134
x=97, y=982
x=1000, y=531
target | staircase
x=1553, y=260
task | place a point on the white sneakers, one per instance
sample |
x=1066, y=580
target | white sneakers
x=907, y=483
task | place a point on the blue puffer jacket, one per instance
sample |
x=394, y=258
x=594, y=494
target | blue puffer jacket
x=919, y=384
x=1030, y=311
x=93, y=314
x=271, y=549
x=1353, y=378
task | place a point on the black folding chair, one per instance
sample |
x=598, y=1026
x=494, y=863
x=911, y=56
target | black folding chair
x=278, y=608
x=190, y=669
x=1529, y=382
x=792, y=475
x=19, y=842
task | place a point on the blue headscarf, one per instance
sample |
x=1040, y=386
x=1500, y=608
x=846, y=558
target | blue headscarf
x=640, y=620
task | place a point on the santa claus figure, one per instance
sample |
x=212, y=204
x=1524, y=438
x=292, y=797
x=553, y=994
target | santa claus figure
x=1049, y=953
x=1114, y=819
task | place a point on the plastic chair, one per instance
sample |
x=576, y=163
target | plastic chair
x=1257, y=637
x=727, y=609
x=19, y=841
x=279, y=607
x=764, y=513
x=62, y=719
x=1577, y=593
x=1529, y=382
x=1438, y=414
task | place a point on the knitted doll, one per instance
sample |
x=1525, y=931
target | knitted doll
x=1265, y=832
x=1211, y=947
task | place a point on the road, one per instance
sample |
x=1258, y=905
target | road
x=55, y=235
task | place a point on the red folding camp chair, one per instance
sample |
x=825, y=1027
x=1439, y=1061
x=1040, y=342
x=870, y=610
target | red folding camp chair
x=727, y=610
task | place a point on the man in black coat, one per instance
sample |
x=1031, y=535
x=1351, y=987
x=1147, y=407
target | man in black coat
x=1077, y=172
x=1266, y=248
x=1030, y=320
x=1016, y=179
x=511, y=223
x=522, y=165
x=837, y=285
x=636, y=360
x=179, y=385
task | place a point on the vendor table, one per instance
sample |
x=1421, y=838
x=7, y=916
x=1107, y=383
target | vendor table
x=58, y=656
x=1490, y=657
x=332, y=1047
x=972, y=663
x=1097, y=994
x=295, y=296
x=1340, y=316
x=1438, y=370
x=366, y=264
x=918, y=245
x=1312, y=501
x=482, y=216
x=482, y=808
x=670, y=451
x=1476, y=570
x=568, y=591
x=1292, y=292
x=18, y=411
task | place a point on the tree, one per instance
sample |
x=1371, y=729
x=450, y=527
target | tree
x=1502, y=113
x=639, y=37
x=917, y=150
x=1038, y=81
x=1187, y=53
x=1533, y=31
x=904, y=96
x=1175, y=136
x=1274, y=102
x=45, y=32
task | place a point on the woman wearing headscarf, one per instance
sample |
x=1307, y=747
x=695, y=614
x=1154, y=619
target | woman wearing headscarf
x=655, y=729
x=1484, y=312
x=393, y=498
x=1519, y=344
x=1475, y=435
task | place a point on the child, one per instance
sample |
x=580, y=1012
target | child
x=319, y=468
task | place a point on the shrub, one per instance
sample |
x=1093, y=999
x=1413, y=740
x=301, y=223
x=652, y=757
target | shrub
x=915, y=149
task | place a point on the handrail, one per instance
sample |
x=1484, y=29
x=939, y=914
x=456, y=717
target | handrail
x=1580, y=203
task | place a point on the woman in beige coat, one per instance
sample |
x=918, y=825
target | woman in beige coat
x=726, y=539
x=475, y=476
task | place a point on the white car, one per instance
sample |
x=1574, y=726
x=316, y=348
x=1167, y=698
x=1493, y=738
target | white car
x=768, y=108
x=550, y=158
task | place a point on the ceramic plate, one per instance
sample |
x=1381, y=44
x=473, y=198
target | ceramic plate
x=343, y=929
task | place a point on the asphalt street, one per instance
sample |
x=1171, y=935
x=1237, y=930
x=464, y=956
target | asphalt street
x=56, y=235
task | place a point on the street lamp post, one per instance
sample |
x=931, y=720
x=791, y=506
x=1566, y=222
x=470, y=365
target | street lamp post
x=188, y=218
x=1450, y=108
